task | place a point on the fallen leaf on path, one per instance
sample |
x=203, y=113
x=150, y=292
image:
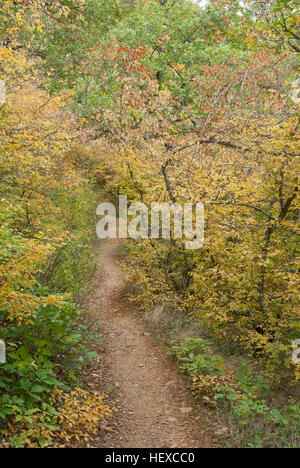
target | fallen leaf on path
x=186, y=410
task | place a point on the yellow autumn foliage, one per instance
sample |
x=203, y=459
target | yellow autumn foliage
x=77, y=417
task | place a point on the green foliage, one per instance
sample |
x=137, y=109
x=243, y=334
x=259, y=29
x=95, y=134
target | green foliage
x=72, y=30
x=49, y=352
x=244, y=397
x=186, y=103
x=46, y=228
x=195, y=357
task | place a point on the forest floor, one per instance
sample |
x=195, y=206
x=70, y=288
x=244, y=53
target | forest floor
x=153, y=406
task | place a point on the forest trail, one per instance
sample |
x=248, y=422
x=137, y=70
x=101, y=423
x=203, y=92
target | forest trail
x=153, y=407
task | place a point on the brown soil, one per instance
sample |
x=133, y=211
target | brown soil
x=154, y=409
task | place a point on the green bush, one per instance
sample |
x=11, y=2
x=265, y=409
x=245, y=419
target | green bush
x=244, y=398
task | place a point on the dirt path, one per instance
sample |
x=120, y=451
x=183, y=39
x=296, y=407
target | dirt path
x=154, y=409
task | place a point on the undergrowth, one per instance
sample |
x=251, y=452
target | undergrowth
x=254, y=418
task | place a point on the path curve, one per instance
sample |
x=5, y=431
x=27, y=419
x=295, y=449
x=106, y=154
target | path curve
x=154, y=409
